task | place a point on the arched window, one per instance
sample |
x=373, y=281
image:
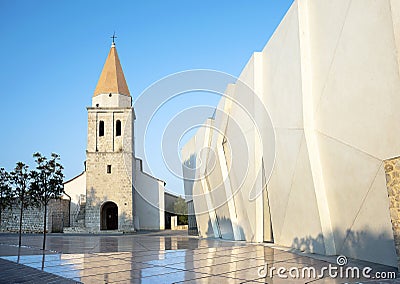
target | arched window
x=118, y=128
x=101, y=128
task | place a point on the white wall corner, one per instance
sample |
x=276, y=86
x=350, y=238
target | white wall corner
x=309, y=127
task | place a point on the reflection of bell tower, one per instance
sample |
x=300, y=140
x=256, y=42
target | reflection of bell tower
x=110, y=149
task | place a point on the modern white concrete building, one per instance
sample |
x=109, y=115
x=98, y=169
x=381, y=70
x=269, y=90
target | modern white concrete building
x=329, y=78
x=114, y=193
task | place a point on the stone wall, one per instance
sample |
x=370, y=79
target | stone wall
x=103, y=187
x=32, y=220
x=111, y=151
x=59, y=215
x=392, y=169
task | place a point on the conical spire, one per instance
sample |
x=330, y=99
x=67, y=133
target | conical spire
x=112, y=79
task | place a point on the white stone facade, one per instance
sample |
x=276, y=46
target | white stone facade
x=329, y=77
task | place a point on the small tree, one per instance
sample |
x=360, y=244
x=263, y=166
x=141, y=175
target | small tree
x=21, y=178
x=180, y=208
x=47, y=183
x=6, y=195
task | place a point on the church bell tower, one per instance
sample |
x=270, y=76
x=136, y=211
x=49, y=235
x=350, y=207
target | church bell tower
x=110, y=151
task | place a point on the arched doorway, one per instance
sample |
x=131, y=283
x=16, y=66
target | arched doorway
x=109, y=216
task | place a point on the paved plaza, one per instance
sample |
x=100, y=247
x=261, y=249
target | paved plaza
x=163, y=257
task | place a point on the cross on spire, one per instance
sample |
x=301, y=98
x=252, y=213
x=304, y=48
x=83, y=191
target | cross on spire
x=113, y=38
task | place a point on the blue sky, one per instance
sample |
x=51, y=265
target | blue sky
x=53, y=53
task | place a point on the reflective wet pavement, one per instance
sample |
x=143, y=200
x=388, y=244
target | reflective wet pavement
x=162, y=257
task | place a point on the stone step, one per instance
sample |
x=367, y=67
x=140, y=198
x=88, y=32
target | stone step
x=75, y=230
x=83, y=230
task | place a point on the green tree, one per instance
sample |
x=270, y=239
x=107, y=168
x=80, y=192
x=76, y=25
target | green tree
x=47, y=183
x=6, y=194
x=180, y=208
x=21, y=178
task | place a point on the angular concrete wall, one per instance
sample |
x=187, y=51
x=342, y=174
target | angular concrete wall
x=329, y=77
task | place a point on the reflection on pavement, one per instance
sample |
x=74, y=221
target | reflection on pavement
x=153, y=258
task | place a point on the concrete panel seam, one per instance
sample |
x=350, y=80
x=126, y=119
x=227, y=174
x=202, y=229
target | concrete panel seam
x=281, y=51
x=348, y=145
x=394, y=38
x=361, y=206
x=309, y=128
x=291, y=182
x=333, y=59
x=231, y=202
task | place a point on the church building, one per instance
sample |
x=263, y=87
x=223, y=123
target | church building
x=113, y=192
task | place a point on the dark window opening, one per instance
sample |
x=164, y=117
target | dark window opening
x=108, y=169
x=118, y=128
x=101, y=128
